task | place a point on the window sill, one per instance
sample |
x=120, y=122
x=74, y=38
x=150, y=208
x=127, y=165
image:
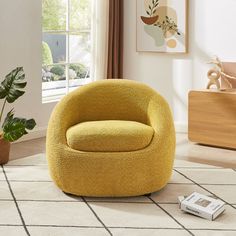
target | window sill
x=54, y=91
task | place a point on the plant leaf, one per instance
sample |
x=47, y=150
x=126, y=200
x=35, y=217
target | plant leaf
x=14, y=127
x=29, y=124
x=11, y=87
x=9, y=116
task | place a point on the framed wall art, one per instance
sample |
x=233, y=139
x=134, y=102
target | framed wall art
x=162, y=26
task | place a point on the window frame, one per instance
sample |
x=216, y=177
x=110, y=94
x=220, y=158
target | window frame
x=48, y=87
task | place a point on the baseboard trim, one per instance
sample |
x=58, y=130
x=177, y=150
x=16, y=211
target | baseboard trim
x=181, y=127
x=38, y=132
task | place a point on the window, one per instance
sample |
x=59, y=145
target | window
x=66, y=46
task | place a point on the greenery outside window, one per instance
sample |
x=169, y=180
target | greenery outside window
x=66, y=46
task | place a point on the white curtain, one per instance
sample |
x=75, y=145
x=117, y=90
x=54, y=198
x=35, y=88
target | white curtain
x=100, y=26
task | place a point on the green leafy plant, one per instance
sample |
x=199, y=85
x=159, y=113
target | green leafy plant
x=152, y=8
x=81, y=70
x=47, y=54
x=58, y=70
x=168, y=25
x=11, y=88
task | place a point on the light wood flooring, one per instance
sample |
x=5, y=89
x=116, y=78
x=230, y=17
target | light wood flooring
x=27, y=148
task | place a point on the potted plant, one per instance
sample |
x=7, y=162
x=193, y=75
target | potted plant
x=12, y=128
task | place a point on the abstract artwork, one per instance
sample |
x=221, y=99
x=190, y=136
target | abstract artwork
x=162, y=26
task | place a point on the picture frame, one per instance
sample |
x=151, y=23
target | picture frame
x=162, y=26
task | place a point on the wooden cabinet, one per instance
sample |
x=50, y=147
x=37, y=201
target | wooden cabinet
x=212, y=118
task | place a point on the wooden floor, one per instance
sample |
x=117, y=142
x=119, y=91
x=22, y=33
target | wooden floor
x=184, y=151
x=27, y=148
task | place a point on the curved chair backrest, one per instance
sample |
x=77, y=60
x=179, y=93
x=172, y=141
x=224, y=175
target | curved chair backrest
x=113, y=100
x=110, y=100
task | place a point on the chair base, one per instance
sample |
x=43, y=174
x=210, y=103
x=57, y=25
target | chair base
x=76, y=196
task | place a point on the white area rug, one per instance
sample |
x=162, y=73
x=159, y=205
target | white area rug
x=30, y=204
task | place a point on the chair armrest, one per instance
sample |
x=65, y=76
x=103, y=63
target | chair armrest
x=64, y=115
x=159, y=116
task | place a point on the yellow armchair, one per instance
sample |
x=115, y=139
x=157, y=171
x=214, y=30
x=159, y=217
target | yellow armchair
x=111, y=138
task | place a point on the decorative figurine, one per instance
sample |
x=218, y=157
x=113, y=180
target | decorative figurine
x=213, y=76
x=218, y=77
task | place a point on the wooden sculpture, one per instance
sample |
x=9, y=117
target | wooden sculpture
x=213, y=76
x=218, y=77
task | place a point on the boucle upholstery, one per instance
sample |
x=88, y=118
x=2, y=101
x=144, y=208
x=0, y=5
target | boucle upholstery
x=109, y=136
x=111, y=173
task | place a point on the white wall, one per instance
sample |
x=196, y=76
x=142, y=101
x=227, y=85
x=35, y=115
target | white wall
x=212, y=31
x=20, y=45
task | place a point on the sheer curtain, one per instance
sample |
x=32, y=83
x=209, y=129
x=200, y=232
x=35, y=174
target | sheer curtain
x=100, y=30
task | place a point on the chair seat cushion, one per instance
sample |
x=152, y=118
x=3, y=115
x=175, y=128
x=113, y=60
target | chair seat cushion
x=109, y=136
